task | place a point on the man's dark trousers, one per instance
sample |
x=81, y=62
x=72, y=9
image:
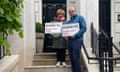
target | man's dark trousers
x=74, y=47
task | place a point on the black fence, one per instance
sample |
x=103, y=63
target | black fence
x=2, y=48
x=102, y=47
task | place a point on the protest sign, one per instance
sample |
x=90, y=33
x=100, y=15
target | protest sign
x=70, y=29
x=53, y=27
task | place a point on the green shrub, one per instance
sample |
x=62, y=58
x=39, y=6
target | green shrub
x=10, y=21
x=39, y=27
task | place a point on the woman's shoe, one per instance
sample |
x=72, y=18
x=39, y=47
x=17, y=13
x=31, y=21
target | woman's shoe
x=58, y=64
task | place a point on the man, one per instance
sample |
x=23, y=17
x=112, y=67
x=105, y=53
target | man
x=75, y=41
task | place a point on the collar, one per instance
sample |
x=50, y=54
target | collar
x=73, y=16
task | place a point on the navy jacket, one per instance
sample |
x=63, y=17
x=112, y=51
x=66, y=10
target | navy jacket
x=82, y=24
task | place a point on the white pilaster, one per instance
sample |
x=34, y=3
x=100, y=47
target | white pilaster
x=29, y=31
x=38, y=10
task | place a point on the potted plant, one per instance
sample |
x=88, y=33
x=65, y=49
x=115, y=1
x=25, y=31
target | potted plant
x=10, y=20
x=39, y=36
x=39, y=30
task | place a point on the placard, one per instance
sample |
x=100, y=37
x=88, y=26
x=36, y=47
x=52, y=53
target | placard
x=70, y=29
x=53, y=27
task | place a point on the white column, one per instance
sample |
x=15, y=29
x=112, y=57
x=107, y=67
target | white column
x=38, y=10
x=29, y=31
x=89, y=9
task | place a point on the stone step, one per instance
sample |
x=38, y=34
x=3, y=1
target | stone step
x=47, y=61
x=117, y=55
x=116, y=68
x=47, y=56
x=48, y=68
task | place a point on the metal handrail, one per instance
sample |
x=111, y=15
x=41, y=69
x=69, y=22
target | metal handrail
x=99, y=58
x=2, y=52
x=102, y=58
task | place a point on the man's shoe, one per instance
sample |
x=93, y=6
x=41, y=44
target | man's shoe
x=64, y=64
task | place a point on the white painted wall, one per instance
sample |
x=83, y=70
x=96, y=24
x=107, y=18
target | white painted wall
x=91, y=16
x=115, y=10
x=17, y=47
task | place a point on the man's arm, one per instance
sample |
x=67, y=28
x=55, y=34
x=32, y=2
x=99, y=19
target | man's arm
x=82, y=27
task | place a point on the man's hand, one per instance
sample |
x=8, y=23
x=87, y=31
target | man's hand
x=73, y=36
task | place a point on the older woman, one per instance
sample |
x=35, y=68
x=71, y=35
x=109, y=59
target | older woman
x=58, y=41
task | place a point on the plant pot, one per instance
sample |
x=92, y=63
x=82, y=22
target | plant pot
x=39, y=42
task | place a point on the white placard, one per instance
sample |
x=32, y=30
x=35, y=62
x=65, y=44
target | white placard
x=70, y=29
x=53, y=27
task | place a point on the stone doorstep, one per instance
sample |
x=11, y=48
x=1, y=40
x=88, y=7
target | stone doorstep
x=48, y=68
x=45, y=53
x=45, y=66
x=47, y=61
x=48, y=57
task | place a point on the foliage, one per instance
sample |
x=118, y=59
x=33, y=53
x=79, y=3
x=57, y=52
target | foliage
x=10, y=20
x=39, y=27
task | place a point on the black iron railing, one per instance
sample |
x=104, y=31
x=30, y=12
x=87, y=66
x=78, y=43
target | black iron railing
x=103, y=48
x=2, y=48
x=2, y=52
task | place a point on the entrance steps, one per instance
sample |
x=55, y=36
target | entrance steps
x=47, y=59
x=45, y=62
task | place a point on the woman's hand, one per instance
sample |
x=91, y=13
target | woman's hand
x=66, y=37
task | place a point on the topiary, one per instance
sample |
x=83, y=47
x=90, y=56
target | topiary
x=39, y=27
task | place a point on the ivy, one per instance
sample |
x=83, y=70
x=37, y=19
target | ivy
x=10, y=20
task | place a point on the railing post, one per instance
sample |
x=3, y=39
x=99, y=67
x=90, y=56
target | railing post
x=105, y=51
x=101, y=54
x=0, y=53
x=110, y=51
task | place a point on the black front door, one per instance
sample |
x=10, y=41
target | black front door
x=49, y=12
x=105, y=40
x=105, y=16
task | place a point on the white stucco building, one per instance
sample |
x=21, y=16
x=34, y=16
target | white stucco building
x=32, y=12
